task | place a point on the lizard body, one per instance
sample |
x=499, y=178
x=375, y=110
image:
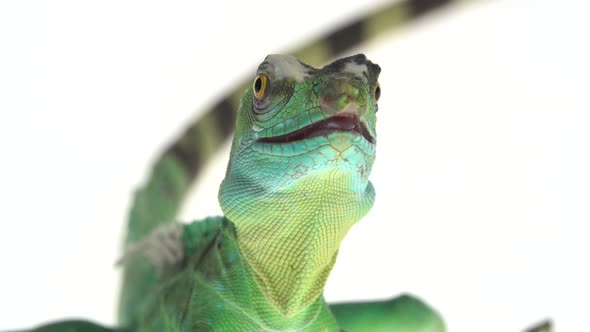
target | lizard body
x=296, y=182
x=179, y=165
x=255, y=268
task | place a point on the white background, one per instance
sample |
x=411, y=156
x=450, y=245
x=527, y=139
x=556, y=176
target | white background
x=482, y=173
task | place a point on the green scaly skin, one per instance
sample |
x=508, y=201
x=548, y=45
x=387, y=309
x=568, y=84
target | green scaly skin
x=297, y=180
x=160, y=199
x=287, y=206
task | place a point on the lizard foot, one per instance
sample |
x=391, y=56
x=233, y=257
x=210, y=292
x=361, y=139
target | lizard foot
x=163, y=247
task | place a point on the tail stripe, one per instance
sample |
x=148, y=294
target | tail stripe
x=190, y=160
x=340, y=40
x=419, y=7
x=225, y=116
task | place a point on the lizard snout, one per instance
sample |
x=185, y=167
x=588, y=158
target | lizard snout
x=341, y=97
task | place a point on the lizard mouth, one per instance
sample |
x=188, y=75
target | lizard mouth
x=339, y=123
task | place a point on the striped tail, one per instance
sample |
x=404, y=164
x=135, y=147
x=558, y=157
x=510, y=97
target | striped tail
x=160, y=199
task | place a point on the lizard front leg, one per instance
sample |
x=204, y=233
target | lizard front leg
x=401, y=314
x=163, y=247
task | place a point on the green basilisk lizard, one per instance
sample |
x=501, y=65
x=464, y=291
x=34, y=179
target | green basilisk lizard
x=297, y=181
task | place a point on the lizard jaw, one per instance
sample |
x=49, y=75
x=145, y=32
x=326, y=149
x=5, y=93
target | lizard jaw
x=344, y=122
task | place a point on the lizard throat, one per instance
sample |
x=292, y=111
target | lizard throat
x=290, y=240
x=346, y=122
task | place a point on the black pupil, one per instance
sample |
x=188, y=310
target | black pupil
x=377, y=93
x=257, y=85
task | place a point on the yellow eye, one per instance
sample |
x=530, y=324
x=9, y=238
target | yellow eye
x=260, y=86
x=377, y=91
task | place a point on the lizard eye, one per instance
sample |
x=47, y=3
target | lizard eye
x=260, y=86
x=377, y=92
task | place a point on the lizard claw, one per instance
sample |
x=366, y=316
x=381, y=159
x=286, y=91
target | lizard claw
x=163, y=247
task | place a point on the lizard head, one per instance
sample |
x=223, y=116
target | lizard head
x=305, y=130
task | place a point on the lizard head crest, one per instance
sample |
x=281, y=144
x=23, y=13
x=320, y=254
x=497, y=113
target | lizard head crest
x=299, y=122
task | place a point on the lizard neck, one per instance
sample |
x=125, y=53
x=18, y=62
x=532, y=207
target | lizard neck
x=291, y=238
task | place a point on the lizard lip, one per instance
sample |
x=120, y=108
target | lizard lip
x=339, y=123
